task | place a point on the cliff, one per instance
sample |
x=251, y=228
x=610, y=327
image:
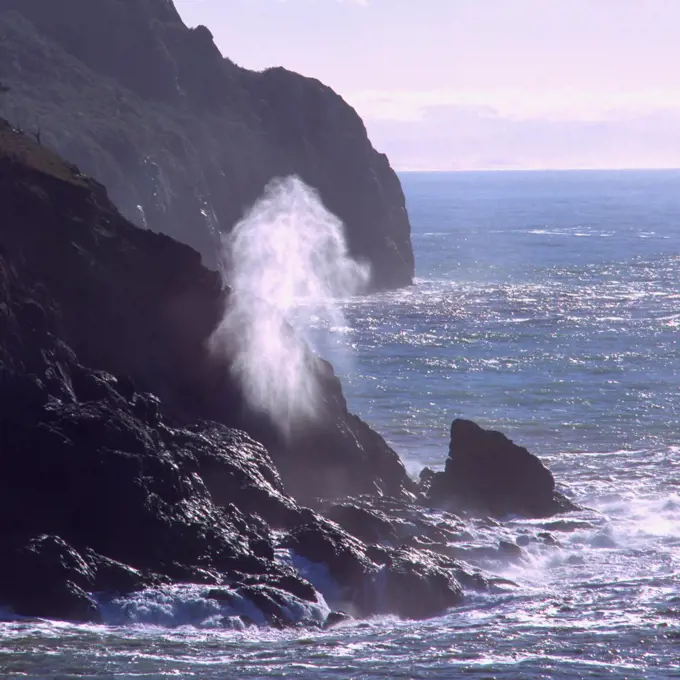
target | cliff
x=184, y=139
x=130, y=464
x=121, y=467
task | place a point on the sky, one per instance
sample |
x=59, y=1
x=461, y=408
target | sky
x=479, y=84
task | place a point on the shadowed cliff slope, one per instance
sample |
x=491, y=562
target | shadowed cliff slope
x=120, y=466
x=140, y=305
x=184, y=139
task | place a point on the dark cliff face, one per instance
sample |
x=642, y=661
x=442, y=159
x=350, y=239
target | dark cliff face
x=140, y=305
x=120, y=466
x=184, y=139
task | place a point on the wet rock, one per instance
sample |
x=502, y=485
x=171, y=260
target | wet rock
x=487, y=473
x=123, y=436
x=238, y=470
x=380, y=579
x=369, y=525
x=277, y=606
x=569, y=525
x=510, y=551
x=97, y=310
x=335, y=618
x=271, y=602
x=425, y=479
x=46, y=577
x=395, y=521
x=420, y=585
x=326, y=544
x=297, y=586
x=112, y=576
x=378, y=555
x=547, y=538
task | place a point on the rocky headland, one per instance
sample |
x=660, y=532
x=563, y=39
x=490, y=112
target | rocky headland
x=184, y=139
x=130, y=462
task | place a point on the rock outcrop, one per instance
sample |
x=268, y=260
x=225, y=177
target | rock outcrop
x=141, y=307
x=184, y=139
x=132, y=470
x=489, y=474
x=121, y=465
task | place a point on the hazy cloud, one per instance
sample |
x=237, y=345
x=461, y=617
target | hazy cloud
x=564, y=104
x=480, y=138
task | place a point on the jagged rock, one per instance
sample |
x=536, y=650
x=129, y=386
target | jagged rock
x=369, y=525
x=326, y=544
x=335, y=618
x=378, y=579
x=115, y=420
x=138, y=308
x=236, y=469
x=190, y=166
x=115, y=577
x=420, y=584
x=425, y=479
x=47, y=577
x=394, y=522
x=487, y=473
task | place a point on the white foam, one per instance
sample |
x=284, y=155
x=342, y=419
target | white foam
x=188, y=605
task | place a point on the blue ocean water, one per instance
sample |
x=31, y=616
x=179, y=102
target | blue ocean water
x=547, y=305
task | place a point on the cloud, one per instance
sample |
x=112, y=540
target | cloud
x=564, y=104
x=482, y=138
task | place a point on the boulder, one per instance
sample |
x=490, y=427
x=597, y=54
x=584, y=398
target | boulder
x=419, y=584
x=336, y=618
x=369, y=525
x=343, y=555
x=486, y=473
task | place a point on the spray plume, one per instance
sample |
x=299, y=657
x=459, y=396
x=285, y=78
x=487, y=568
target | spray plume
x=288, y=266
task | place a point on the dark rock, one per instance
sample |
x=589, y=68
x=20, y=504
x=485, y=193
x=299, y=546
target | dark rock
x=334, y=618
x=46, y=577
x=115, y=577
x=510, y=551
x=547, y=538
x=378, y=554
x=370, y=526
x=411, y=583
x=420, y=585
x=122, y=435
x=325, y=544
x=569, y=525
x=221, y=595
x=297, y=586
x=487, y=473
x=236, y=469
x=425, y=479
x=129, y=309
x=185, y=139
x=394, y=521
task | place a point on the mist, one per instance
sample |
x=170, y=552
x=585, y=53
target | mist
x=289, y=268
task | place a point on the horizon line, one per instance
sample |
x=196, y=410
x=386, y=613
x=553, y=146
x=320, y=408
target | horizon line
x=469, y=170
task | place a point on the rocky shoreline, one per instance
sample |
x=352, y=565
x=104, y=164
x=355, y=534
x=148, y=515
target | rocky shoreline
x=130, y=464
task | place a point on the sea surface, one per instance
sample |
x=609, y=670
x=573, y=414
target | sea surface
x=547, y=305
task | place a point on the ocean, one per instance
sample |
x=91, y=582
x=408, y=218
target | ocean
x=546, y=305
